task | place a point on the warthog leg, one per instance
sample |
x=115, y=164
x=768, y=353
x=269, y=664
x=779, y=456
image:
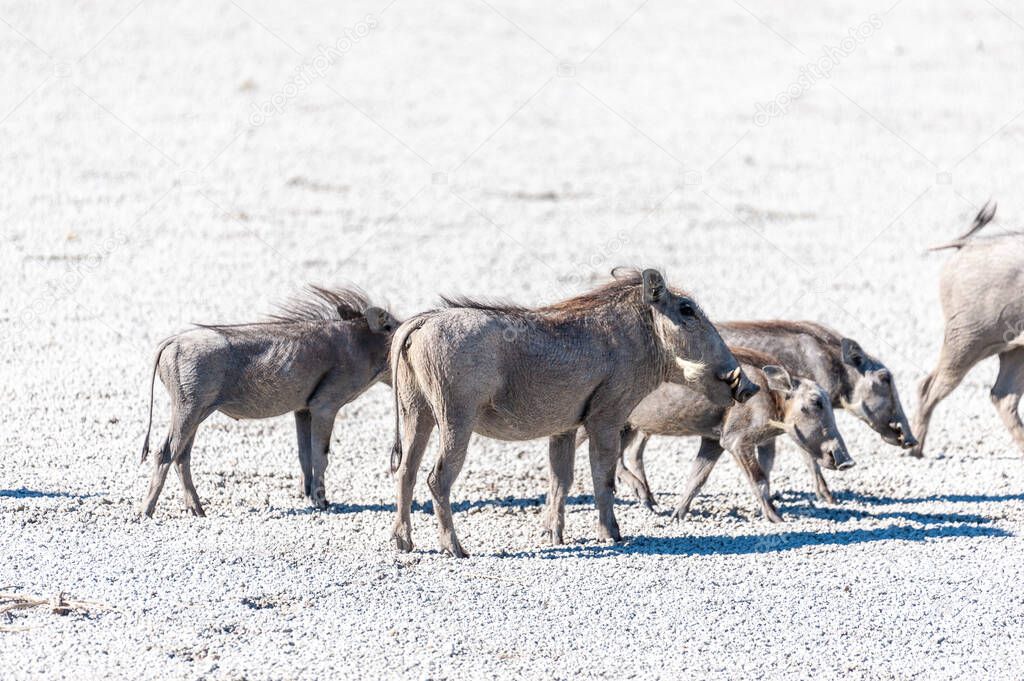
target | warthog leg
x=746, y=457
x=955, y=360
x=625, y=478
x=176, y=444
x=604, y=455
x=821, y=490
x=632, y=471
x=1007, y=391
x=417, y=424
x=454, y=434
x=183, y=466
x=305, y=451
x=707, y=456
x=562, y=460
x=320, y=427
x=766, y=456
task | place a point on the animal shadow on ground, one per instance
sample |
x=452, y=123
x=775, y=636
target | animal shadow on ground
x=927, y=526
x=25, y=493
x=840, y=513
x=704, y=545
x=949, y=498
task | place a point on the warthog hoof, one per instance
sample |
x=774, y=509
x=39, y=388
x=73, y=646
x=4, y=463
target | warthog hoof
x=454, y=549
x=552, y=537
x=403, y=540
x=680, y=513
x=772, y=516
x=609, y=533
x=825, y=497
x=320, y=503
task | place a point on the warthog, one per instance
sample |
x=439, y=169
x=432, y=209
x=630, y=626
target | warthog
x=855, y=381
x=796, y=406
x=980, y=289
x=319, y=353
x=514, y=373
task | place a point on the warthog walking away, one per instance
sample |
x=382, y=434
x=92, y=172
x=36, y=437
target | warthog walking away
x=855, y=381
x=980, y=289
x=315, y=356
x=796, y=406
x=514, y=373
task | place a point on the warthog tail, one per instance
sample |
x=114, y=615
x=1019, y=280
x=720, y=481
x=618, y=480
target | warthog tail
x=984, y=216
x=397, y=348
x=152, y=381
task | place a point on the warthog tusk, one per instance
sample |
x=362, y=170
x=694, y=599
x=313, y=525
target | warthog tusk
x=692, y=371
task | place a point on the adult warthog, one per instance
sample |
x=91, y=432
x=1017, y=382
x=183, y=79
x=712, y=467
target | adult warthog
x=980, y=289
x=315, y=356
x=514, y=373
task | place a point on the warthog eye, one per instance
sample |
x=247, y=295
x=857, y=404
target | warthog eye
x=814, y=405
x=686, y=309
x=884, y=376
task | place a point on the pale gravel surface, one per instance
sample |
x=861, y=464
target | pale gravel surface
x=136, y=199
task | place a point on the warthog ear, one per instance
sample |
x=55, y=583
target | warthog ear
x=853, y=354
x=379, y=320
x=778, y=378
x=654, y=286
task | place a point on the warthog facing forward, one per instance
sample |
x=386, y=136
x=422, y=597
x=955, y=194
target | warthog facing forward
x=317, y=355
x=796, y=406
x=513, y=373
x=855, y=381
x=981, y=291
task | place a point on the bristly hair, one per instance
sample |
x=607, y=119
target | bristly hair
x=752, y=357
x=319, y=304
x=624, y=287
x=485, y=305
x=824, y=335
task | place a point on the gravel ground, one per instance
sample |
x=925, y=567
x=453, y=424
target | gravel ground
x=515, y=150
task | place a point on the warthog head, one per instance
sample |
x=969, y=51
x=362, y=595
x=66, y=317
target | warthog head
x=809, y=419
x=700, y=357
x=873, y=398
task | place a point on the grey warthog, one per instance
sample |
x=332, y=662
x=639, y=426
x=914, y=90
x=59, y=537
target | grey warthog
x=316, y=355
x=855, y=381
x=796, y=406
x=980, y=288
x=515, y=373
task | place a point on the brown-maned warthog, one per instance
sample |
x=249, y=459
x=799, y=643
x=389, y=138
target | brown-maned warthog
x=855, y=381
x=980, y=288
x=514, y=373
x=319, y=353
x=796, y=406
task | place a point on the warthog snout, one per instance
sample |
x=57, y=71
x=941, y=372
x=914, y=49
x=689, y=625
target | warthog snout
x=905, y=438
x=740, y=387
x=841, y=458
